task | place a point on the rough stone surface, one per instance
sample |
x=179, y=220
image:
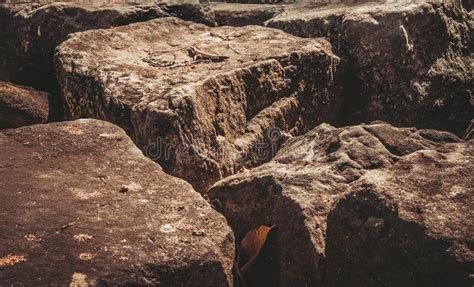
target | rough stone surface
x=410, y=65
x=410, y=225
x=244, y=14
x=200, y=120
x=79, y=202
x=21, y=106
x=196, y=11
x=29, y=34
x=298, y=188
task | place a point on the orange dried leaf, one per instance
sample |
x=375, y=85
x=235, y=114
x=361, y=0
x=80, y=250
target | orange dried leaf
x=253, y=242
x=11, y=260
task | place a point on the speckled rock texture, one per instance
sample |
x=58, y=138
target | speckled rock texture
x=410, y=225
x=410, y=64
x=201, y=120
x=233, y=14
x=29, y=33
x=426, y=200
x=21, y=106
x=80, y=203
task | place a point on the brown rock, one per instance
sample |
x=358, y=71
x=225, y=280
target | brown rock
x=407, y=64
x=64, y=221
x=31, y=32
x=298, y=188
x=237, y=15
x=410, y=225
x=21, y=106
x=201, y=120
x=198, y=11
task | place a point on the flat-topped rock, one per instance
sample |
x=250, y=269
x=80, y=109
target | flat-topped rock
x=21, y=106
x=79, y=202
x=200, y=118
x=408, y=64
x=299, y=188
x=30, y=32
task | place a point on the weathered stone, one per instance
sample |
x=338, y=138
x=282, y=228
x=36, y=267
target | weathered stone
x=410, y=225
x=244, y=14
x=29, y=34
x=298, y=188
x=201, y=120
x=196, y=11
x=410, y=65
x=63, y=218
x=21, y=106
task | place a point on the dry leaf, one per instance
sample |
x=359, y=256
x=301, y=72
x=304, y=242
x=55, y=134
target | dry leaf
x=82, y=237
x=86, y=256
x=78, y=280
x=252, y=243
x=11, y=259
x=32, y=238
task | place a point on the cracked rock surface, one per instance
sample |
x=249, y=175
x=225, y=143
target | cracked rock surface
x=409, y=225
x=30, y=32
x=408, y=64
x=425, y=200
x=201, y=120
x=21, y=106
x=80, y=203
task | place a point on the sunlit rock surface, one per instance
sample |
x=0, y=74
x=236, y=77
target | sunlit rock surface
x=80, y=203
x=201, y=119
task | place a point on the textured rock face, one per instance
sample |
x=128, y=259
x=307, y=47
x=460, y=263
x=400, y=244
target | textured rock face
x=201, y=120
x=298, y=188
x=29, y=34
x=79, y=202
x=196, y=11
x=21, y=106
x=407, y=64
x=244, y=14
x=410, y=225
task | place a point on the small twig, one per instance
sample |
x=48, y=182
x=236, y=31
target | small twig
x=65, y=226
x=236, y=51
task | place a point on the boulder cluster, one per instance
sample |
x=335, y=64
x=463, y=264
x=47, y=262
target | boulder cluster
x=141, y=144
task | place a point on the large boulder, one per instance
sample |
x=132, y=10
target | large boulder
x=200, y=118
x=409, y=64
x=21, y=106
x=297, y=190
x=29, y=33
x=410, y=225
x=79, y=203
